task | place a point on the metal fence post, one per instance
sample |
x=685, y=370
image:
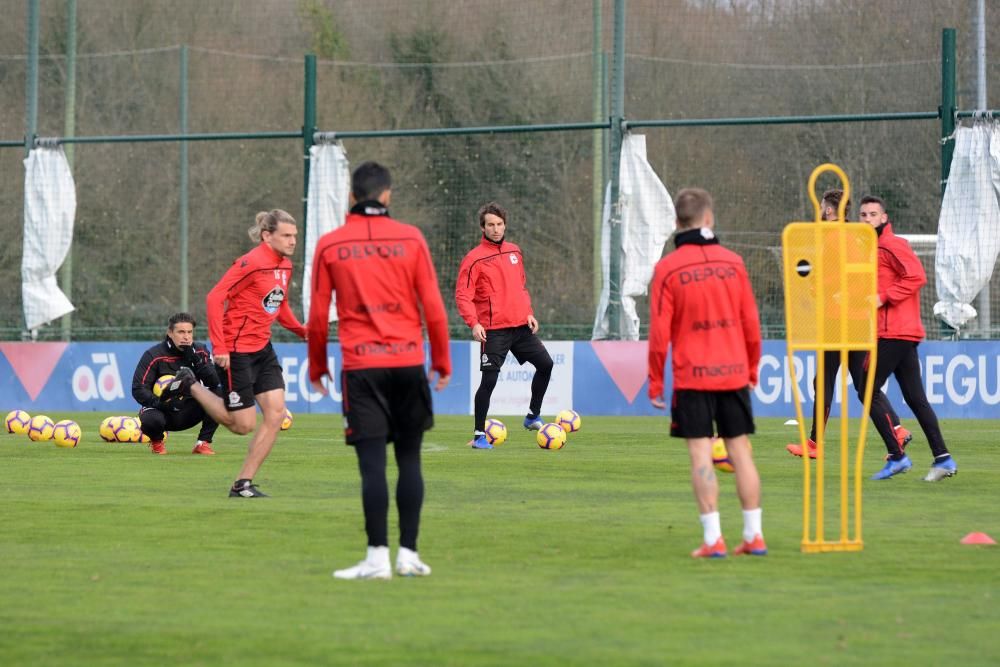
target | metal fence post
x=184, y=178
x=947, y=109
x=69, y=129
x=308, y=128
x=617, y=120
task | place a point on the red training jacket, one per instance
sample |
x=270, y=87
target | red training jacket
x=377, y=266
x=492, y=288
x=900, y=277
x=700, y=300
x=246, y=301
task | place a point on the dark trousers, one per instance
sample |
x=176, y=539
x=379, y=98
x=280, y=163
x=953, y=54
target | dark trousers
x=181, y=416
x=883, y=416
x=527, y=348
x=375, y=489
x=899, y=358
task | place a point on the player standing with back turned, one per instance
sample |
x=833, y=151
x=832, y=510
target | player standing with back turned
x=382, y=273
x=701, y=302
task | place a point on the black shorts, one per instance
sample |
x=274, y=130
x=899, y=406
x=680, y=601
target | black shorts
x=693, y=412
x=249, y=374
x=519, y=341
x=384, y=402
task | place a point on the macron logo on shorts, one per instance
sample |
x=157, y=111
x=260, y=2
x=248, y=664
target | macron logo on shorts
x=234, y=400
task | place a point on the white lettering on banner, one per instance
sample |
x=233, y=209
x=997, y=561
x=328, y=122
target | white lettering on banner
x=957, y=380
x=967, y=383
x=106, y=384
x=988, y=398
x=933, y=378
x=299, y=382
x=513, y=391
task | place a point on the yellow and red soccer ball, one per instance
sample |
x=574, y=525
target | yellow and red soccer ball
x=161, y=384
x=67, y=433
x=496, y=432
x=551, y=436
x=720, y=456
x=17, y=422
x=569, y=420
x=40, y=428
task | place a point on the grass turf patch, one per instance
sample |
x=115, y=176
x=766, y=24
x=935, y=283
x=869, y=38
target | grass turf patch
x=113, y=556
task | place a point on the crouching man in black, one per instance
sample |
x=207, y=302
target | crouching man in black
x=170, y=411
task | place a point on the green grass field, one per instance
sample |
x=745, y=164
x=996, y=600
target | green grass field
x=112, y=556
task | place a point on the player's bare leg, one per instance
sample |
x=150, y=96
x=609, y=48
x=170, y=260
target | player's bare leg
x=239, y=422
x=748, y=490
x=272, y=406
x=706, y=494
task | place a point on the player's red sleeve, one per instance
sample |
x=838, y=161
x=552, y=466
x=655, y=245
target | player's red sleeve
x=215, y=304
x=661, y=310
x=465, y=291
x=437, y=318
x=287, y=319
x=910, y=276
x=750, y=319
x=319, y=315
x=524, y=281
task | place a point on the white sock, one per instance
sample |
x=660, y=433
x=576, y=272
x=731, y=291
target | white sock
x=751, y=524
x=711, y=528
x=378, y=556
x=406, y=554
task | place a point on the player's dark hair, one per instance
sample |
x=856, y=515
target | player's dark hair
x=267, y=221
x=690, y=205
x=180, y=317
x=872, y=199
x=832, y=197
x=491, y=208
x=369, y=181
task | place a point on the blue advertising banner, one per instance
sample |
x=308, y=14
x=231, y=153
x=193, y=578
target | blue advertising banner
x=962, y=379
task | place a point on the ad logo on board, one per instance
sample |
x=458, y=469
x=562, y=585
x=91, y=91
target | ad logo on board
x=105, y=384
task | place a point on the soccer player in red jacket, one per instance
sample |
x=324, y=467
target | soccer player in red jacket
x=701, y=302
x=492, y=297
x=900, y=277
x=887, y=423
x=382, y=273
x=241, y=309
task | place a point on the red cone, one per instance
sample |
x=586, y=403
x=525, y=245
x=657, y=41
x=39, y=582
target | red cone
x=978, y=538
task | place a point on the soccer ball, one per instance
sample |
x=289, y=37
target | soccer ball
x=286, y=423
x=496, y=432
x=720, y=456
x=161, y=384
x=551, y=436
x=128, y=430
x=569, y=420
x=108, y=428
x=17, y=421
x=67, y=433
x=40, y=428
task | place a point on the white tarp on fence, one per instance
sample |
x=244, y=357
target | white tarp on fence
x=647, y=215
x=326, y=207
x=968, y=238
x=49, y=209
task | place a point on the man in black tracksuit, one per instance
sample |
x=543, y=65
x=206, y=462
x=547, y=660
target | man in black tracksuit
x=172, y=412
